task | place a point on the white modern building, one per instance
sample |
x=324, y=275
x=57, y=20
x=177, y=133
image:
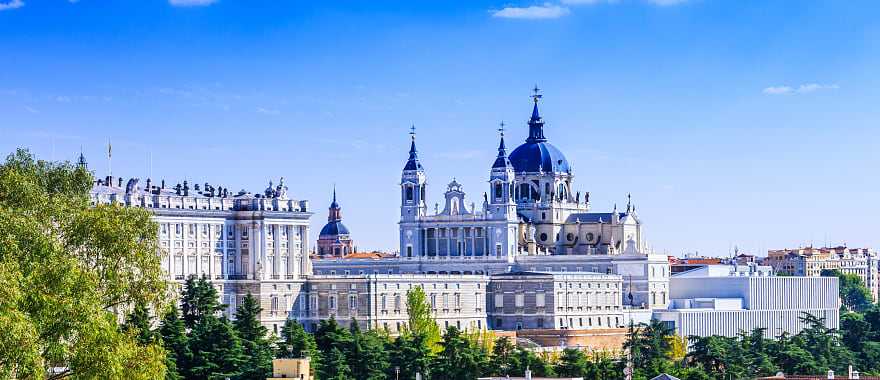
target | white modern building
x=726, y=300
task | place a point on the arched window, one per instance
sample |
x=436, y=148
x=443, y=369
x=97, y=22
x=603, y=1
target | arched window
x=499, y=191
x=454, y=207
x=409, y=193
x=547, y=188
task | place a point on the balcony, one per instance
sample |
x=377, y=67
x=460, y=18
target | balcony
x=276, y=277
x=238, y=277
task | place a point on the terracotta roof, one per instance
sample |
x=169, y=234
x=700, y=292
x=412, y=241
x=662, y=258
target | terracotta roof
x=367, y=255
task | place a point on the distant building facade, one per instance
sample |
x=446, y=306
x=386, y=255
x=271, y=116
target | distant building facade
x=810, y=261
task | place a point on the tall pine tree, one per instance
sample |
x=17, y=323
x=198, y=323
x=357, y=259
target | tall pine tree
x=175, y=341
x=257, y=345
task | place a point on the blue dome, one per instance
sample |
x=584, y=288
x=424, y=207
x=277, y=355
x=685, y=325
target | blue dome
x=538, y=156
x=334, y=228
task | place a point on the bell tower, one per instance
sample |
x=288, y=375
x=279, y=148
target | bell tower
x=412, y=185
x=501, y=183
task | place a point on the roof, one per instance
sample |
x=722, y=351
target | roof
x=593, y=217
x=537, y=156
x=664, y=376
x=334, y=228
x=501, y=161
x=366, y=255
x=413, y=162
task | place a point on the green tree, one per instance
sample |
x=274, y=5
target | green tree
x=366, y=354
x=176, y=343
x=504, y=360
x=216, y=349
x=572, y=363
x=601, y=366
x=295, y=342
x=199, y=299
x=538, y=364
x=853, y=292
x=410, y=354
x=139, y=323
x=459, y=359
x=330, y=336
x=67, y=270
x=337, y=364
x=421, y=322
x=255, y=340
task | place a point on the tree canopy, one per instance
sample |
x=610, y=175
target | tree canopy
x=68, y=271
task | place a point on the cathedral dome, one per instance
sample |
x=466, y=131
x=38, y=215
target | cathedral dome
x=538, y=156
x=334, y=228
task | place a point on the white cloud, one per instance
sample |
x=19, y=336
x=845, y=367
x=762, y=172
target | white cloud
x=191, y=3
x=810, y=87
x=805, y=88
x=546, y=11
x=778, y=90
x=62, y=99
x=11, y=4
x=31, y=109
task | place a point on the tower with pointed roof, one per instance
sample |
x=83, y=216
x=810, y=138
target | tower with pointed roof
x=501, y=184
x=412, y=184
x=334, y=239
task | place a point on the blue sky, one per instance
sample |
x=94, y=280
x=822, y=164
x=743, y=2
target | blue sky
x=749, y=123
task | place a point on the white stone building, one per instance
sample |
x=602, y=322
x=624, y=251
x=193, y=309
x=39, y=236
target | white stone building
x=243, y=242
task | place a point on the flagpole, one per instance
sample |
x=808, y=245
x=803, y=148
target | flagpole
x=110, y=158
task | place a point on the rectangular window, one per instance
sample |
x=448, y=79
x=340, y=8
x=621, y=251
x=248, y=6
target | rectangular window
x=540, y=323
x=499, y=300
x=353, y=301
x=457, y=300
x=445, y=301
x=519, y=300
x=382, y=302
x=331, y=303
x=539, y=300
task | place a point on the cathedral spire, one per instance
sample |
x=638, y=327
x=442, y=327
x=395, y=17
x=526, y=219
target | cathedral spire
x=413, y=162
x=536, y=125
x=501, y=161
x=335, y=213
x=81, y=162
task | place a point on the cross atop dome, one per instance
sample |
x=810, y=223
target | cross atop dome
x=536, y=125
